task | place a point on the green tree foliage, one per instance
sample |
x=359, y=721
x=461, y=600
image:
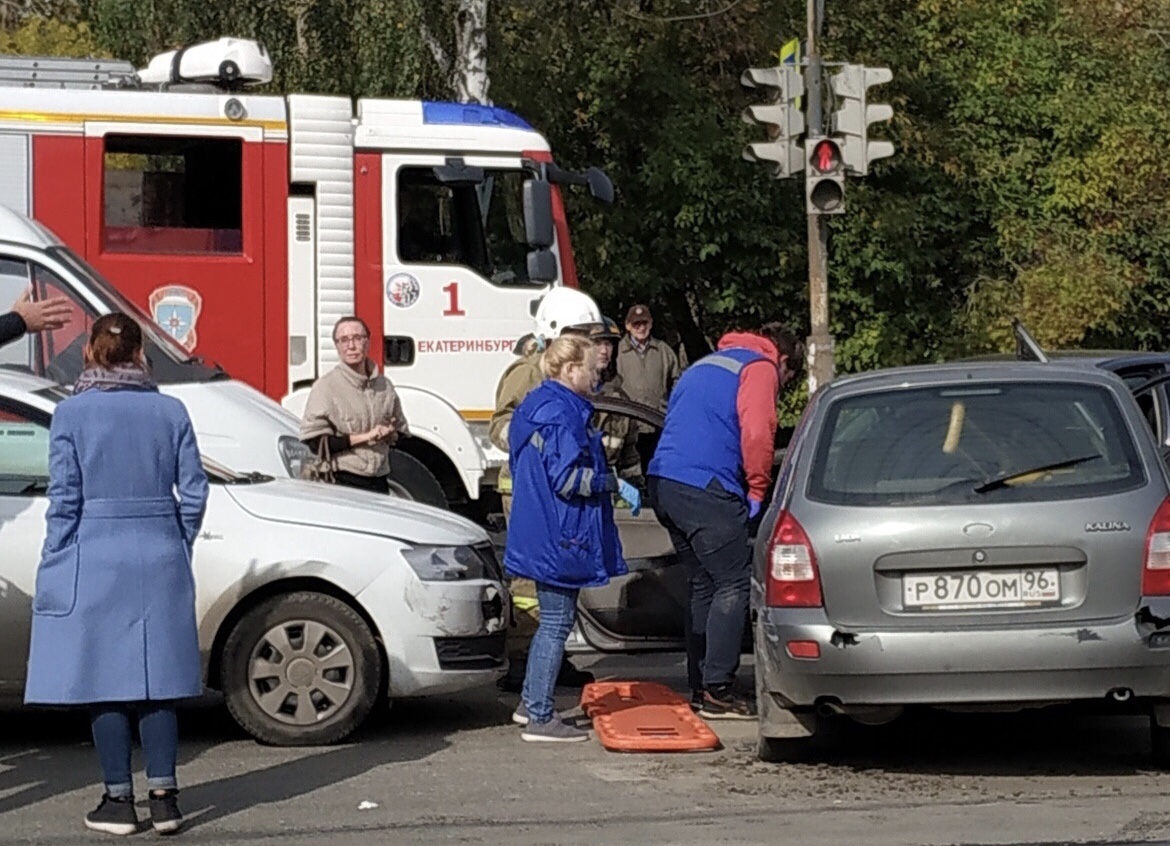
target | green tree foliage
x=1029, y=178
x=355, y=47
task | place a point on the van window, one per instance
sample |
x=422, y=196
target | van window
x=480, y=227
x=170, y=194
x=974, y=443
x=14, y=281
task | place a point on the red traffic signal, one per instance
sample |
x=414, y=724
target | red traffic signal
x=825, y=175
x=826, y=156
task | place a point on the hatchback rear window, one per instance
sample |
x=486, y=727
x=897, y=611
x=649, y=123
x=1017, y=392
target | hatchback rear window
x=1022, y=442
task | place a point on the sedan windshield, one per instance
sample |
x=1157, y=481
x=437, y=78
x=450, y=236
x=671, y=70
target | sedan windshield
x=991, y=442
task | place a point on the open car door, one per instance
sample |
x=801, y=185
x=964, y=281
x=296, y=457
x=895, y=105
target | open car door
x=643, y=610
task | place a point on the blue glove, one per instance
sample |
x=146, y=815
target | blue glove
x=630, y=494
x=754, y=506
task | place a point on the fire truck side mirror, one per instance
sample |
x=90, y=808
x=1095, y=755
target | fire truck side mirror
x=538, y=220
x=600, y=185
x=542, y=266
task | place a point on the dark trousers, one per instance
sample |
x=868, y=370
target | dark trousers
x=158, y=729
x=376, y=484
x=709, y=530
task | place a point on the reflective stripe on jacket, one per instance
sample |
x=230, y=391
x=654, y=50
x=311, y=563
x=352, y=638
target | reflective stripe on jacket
x=701, y=438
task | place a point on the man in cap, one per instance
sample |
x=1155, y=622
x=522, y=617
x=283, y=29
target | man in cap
x=618, y=436
x=648, y=367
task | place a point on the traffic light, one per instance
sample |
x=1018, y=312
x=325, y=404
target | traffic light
x=853, y=115
x=781, y=117
x=824, y=179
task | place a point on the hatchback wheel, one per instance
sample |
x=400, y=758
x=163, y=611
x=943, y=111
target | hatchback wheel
x=301, y=669
x=778, y=750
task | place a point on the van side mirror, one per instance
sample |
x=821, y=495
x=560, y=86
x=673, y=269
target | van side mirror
x=542, y=265
x=538, y=220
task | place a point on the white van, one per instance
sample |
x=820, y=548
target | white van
x=235, y=424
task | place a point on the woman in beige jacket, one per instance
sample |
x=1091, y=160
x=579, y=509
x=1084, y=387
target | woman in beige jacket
x=356, y=410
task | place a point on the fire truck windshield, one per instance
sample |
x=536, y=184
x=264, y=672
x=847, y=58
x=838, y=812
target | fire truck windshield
x=478, y=226
x=169, y=361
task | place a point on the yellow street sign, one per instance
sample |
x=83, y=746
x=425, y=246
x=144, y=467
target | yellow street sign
x=790, y=55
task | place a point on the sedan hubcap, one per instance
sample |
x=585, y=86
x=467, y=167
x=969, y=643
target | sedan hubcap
x=301, y=672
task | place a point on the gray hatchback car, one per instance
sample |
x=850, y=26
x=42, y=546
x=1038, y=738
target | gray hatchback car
x=974, y=536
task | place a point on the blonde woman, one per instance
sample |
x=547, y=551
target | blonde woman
x=562, y=535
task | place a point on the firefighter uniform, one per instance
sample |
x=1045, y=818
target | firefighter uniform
x=618, y=435
x=521, y=377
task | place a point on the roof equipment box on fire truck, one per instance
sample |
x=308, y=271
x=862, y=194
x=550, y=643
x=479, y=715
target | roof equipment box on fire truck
x=246, y=224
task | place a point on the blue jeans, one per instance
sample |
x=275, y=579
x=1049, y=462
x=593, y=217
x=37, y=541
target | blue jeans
x=558, y=612
x=158, y=727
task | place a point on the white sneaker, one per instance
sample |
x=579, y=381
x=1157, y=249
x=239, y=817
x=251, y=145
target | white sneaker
x=555, y=730
x=520, y=715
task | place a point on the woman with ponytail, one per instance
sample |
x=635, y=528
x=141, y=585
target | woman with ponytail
x=114, y=607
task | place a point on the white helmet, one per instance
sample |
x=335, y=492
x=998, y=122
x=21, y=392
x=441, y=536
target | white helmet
x=562, y=308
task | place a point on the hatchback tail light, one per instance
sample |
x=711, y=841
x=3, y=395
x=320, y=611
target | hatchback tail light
x=1156, y=573
x=793, y=580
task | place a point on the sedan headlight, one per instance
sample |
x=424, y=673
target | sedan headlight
x=294, y=454
x=445, y=563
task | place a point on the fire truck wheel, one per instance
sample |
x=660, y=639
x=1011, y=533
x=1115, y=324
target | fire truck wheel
x=301, y=669
x=410, y=479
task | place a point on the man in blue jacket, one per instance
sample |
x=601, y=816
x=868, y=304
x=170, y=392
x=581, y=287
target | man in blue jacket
x=708, y=479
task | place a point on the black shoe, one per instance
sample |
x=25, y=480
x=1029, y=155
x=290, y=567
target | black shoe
x=722, y=703
x=113, y=816
x=165, y=815
x=570, y=676
x=696, y=700
x=513, y=682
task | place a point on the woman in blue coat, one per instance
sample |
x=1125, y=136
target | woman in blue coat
x=114, y=607
x=562, y=535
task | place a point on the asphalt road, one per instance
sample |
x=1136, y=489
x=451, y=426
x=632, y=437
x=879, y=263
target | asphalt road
x=453, y=770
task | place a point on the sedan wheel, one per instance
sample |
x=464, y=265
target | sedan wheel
x=301, y=669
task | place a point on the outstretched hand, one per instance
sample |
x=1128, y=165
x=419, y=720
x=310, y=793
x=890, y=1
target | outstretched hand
x=42, y=315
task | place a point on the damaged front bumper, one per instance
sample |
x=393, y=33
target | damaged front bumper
x=451, y=638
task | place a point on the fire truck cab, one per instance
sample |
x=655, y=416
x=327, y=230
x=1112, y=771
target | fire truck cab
x=247, y=224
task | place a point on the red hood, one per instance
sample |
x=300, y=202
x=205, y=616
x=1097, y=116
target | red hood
x=753, y=342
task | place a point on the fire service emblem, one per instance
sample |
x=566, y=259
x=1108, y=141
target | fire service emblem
x=176, y=309
x=402, y=290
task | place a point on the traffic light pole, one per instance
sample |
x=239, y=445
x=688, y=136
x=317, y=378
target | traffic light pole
x=820, y=342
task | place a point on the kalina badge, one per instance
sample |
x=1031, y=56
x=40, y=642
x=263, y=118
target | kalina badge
x=176, y=309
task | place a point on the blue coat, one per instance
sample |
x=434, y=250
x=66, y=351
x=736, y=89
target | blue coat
x=561, y=531
x=114, y=605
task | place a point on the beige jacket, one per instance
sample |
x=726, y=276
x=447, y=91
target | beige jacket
x=344, y=402
x=648, y=375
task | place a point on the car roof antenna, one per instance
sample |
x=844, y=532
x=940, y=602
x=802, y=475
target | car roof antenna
x=1026, y=347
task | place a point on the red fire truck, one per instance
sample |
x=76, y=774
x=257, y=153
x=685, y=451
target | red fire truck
x=246, y=224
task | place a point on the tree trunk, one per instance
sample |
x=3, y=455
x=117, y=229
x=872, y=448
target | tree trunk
x=470, y=71
x=689, y=331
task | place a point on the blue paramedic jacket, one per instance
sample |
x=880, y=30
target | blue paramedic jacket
x=561, y=531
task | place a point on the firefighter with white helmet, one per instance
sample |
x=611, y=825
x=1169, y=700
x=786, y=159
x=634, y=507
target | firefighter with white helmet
x=561, y=310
